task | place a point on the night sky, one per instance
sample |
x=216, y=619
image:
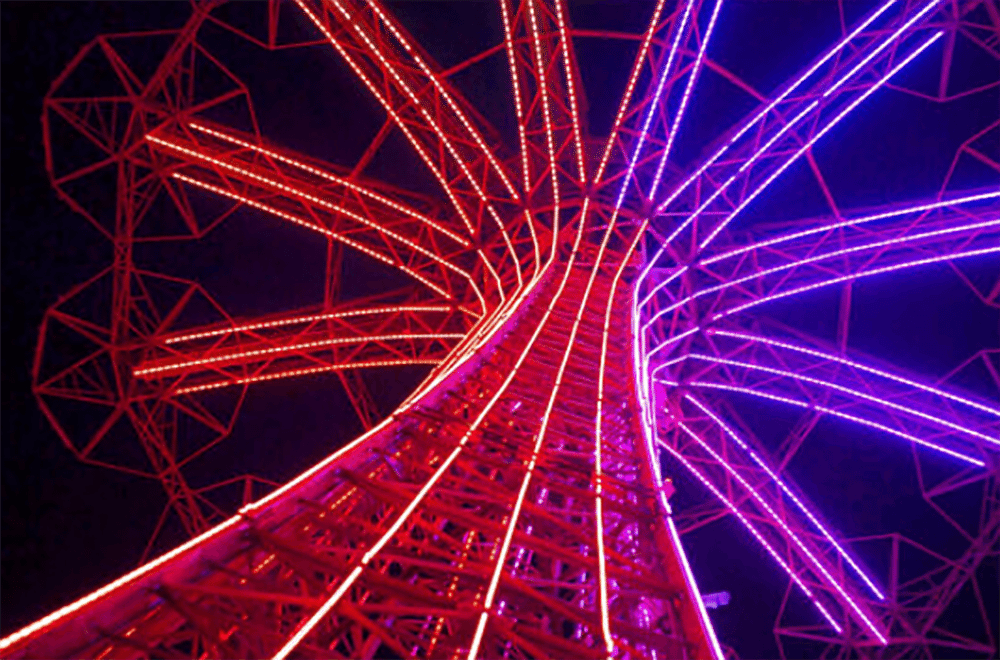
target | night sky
x=68, y=528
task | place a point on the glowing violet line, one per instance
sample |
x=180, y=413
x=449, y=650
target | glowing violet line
x=837, y=413
x=854, y=221
x=762, y=150
x=856, y=365
x=713, y=641
x=885, y=44
x=819, y=257
x=836, y=120
x=753, y=530
x=692, y=78
x=648, y=426
x=656, y=100
x=647, y=423
x=760, y=115
x=664, y=365
x=664, y=344
x=844, y=278
x=834, y=386
x=784, y=488
x=774, y=516
x=721, y=189
x=851, y=222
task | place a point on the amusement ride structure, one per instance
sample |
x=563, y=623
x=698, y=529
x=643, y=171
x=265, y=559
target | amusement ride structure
x=592, y=311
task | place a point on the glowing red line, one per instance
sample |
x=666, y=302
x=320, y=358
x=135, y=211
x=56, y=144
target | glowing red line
x=308, y=318
x=404, y=515
x=434, y=126
x=98, y=594
x=543, y=92
x=249, y=380
x=521, y=130
x=392, y=113
x=598, y=439
x=327, y=205
x=505, y=547
x=640, y=59
x=512, y=63
x=574, y=113
x=486, y=151
x=477, y=338
x=347, y=183
x=335, y=341
x=94, y=596
x=309, y=225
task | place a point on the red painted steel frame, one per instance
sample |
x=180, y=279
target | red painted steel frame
x=512, y=506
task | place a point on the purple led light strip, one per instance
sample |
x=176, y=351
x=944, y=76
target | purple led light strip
x=837, y=413
x=714, y=647
x=883, y=46
x=798, y=542
x=692, y=78
x=853, y=221
x=656, y=98
x=713, y=641
x=819, y=257
x=774, y=175
x=844, y=278
x=856, y=365
x=784, y=488
x=843, y=43
x=715, y=195
x=669, y=341
x=836, y=120
x=753, y=530
x=846, y=390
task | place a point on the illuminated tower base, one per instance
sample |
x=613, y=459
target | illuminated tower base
x=485, y=518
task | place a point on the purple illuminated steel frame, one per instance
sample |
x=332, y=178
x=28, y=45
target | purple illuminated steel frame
x=704, y=342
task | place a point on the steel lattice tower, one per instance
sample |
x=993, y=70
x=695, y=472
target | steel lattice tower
x=582, y=301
